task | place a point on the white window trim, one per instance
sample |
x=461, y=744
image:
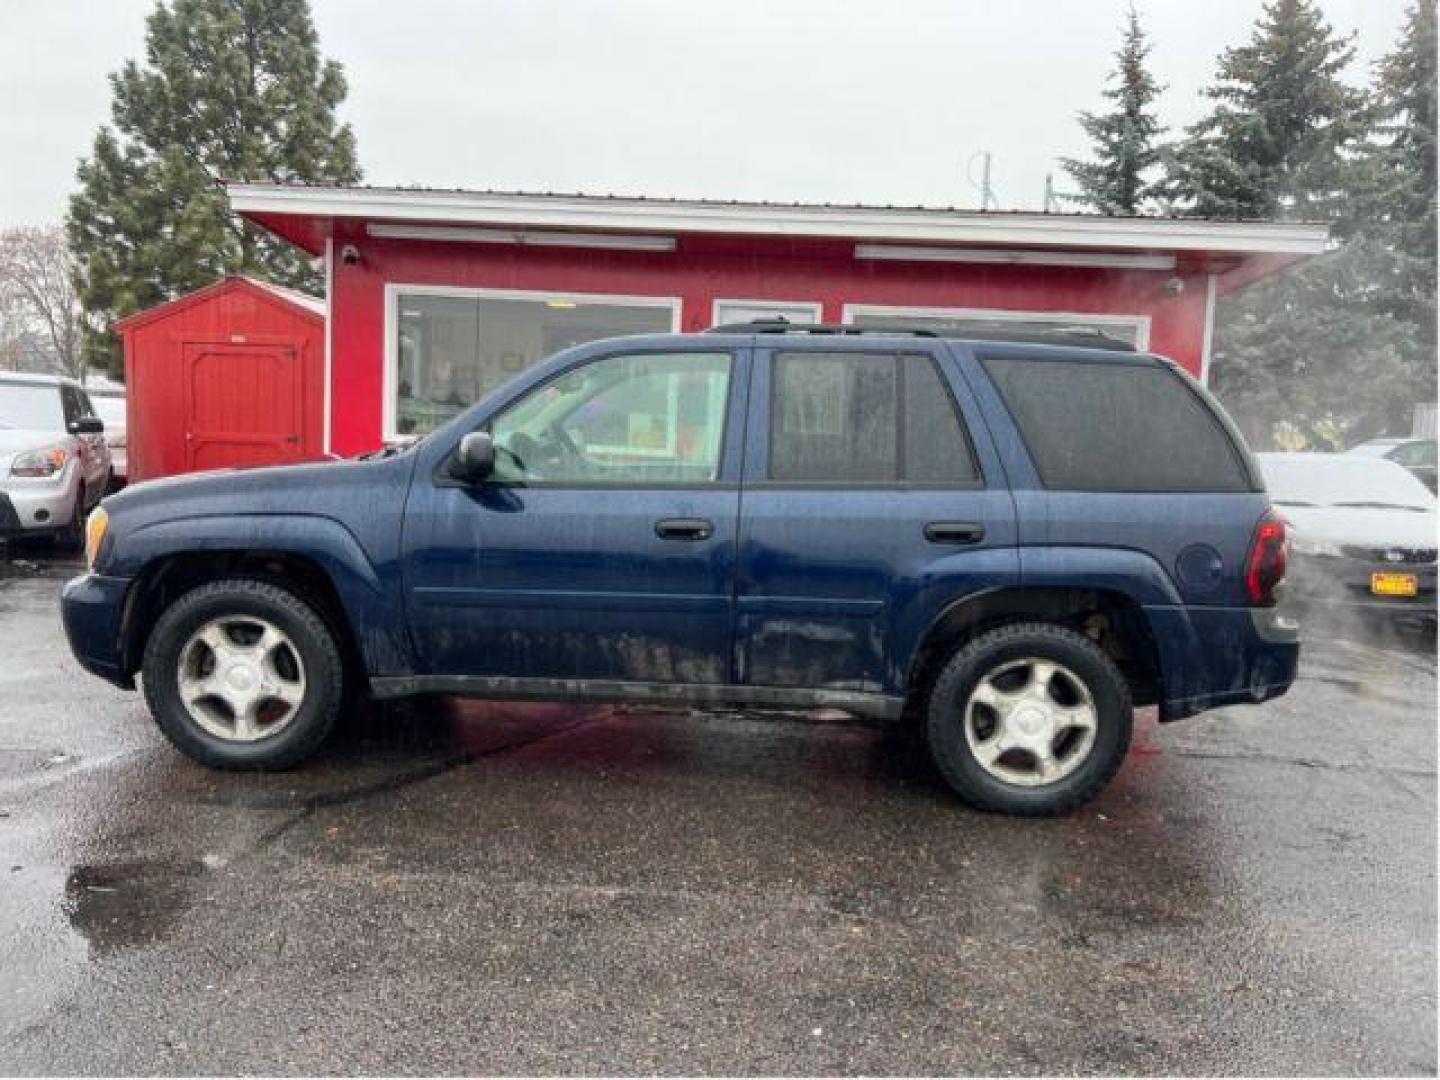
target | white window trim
x=1208, y=339
x=813, y=306
x=1074, y=318
x=391, y=352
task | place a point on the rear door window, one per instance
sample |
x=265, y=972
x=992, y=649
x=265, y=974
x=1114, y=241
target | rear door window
x=937, y=448
x=849, y=417
x=1097, y=426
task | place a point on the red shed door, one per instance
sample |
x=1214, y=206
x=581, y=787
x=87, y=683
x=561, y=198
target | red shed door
x=242, y=405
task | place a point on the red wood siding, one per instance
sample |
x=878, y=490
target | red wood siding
x=248, y=332
x=705, y=269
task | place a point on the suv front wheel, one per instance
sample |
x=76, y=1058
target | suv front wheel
x=1030, y=718
x=243, y=674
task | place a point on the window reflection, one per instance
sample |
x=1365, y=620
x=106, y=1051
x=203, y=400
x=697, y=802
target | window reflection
x=453, y=350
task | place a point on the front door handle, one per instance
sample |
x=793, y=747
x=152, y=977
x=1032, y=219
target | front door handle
x=954, y=532
x=684, y=529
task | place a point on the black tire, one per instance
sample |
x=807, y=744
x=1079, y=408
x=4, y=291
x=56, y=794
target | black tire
x=324, y=670
x=72, y=537
x=951, y=691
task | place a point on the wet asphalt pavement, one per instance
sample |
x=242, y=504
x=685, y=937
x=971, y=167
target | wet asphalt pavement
x=465, y=887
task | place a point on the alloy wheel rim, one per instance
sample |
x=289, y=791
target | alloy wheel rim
x=1030, y=722
x=241, y=678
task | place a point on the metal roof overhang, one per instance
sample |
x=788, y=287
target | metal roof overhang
x=1242, y=251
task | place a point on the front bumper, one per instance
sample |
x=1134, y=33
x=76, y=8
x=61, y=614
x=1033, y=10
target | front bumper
x=38, y=505
x=93, y=609
x=1212, y=657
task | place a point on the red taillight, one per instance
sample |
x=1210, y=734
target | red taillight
x=1265, y=566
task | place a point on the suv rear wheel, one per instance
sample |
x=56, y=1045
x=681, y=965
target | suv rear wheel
x=243, y=674
x=1030, y=719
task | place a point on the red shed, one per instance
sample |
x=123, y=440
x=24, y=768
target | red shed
x=231, y=374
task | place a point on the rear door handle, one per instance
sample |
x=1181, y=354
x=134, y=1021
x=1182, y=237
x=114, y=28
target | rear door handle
x=684, y=529
x=954, y=532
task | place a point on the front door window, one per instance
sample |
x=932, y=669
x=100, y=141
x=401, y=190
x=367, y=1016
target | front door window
x=633, y=419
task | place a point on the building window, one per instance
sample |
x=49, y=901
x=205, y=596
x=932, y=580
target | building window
x=1134, y=329
x=743, y=311
x=448, y=348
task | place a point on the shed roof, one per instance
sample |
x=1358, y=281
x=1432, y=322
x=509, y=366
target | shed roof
x=266, y=290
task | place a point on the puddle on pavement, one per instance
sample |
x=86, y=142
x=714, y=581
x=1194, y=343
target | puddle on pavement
x=121, y=905
x=35, y=560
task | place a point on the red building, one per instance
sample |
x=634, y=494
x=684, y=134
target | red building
x=436, y=297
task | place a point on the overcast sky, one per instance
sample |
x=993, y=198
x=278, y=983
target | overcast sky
x=887, y=102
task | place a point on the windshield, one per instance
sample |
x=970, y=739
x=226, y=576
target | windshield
x=1373, y=449
x=30, y=407
x=109, y=409
x=1342, y=480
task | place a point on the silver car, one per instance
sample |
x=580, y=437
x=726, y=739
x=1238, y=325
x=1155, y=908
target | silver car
x=54, y=464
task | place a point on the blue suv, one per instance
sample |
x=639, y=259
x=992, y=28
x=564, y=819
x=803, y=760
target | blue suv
x=1008, y=540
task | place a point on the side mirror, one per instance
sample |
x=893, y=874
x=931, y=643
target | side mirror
x=87, y=425
x=474, y=457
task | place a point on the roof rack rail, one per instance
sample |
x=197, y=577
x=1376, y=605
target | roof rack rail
x=785, y=326
x=1087, y=337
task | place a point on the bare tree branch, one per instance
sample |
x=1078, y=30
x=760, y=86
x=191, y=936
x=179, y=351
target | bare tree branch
x=37, y=292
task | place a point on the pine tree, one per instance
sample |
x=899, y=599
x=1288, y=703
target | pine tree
x=1123, y=140
x=1310, y=359
x=1323, y=355
x=1397, y=206
x=229, y=90
x=1272, y=146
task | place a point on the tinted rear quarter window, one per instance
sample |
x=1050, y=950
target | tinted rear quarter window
x=1105, y=426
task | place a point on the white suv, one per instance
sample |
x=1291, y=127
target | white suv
x=54, y=464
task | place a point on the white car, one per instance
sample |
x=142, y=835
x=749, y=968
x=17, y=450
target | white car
x=1417, y=455
x=110, y=407
x=1362, y=532
x=54, y=464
